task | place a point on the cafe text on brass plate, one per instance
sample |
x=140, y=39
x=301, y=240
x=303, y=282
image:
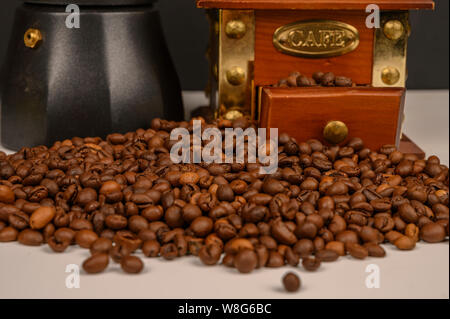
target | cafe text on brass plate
x=316, y=38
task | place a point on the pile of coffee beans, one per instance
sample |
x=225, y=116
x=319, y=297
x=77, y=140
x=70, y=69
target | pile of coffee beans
x=122, y=195
x=296, y=79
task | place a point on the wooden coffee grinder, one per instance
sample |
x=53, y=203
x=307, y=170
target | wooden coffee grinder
x=255, y=43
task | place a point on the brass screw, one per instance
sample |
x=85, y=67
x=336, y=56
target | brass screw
x=236, y=76
x=235, y=29
x=233, y=114
x=32, y=38
x=390, y=75
x=335, y=132
x=393, y=29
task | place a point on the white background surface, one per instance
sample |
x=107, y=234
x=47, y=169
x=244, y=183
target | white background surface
x=37, y=272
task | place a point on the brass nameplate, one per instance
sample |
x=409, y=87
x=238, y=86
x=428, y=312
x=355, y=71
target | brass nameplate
x=316, y=38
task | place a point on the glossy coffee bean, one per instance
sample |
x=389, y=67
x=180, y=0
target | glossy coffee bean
x=131, y=264
x=291, y=282
x=96, y=263
x=85, y=238
x=245, y=261
x=327, y=255
x=151, y=248
x=432, y=233
x=357, y=251
x=30, y=237
x=311, y=263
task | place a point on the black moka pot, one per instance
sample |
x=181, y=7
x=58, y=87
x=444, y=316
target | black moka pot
x=113, y=74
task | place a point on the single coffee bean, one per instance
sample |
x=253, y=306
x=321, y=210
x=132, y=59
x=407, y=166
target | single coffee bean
x=304, y=247
x=57, y=246
x=311, y=263
x=101, y=245
x=41, y=217
x=357, y=251
x=151, y=248
x=202, y=226
x=327, y=255
x=210, y=254
x=30, y=237
x=96, y=263
x=317, y=76
x=65, y=234
x=432, y=233
x=291, y=282
x=85, y=237
x=245, y=261
x=328, y=79
x=343, y=81
x=131, y=264
x=6, y=195
x=337, y=246
x=412, y=231
x=275, y=260
x=189, y=178
x=8, y=234
x=392, y=236
x=405, y=243
x=225, y=193
x=408, y=213
x=190, y=212
x=375, y=250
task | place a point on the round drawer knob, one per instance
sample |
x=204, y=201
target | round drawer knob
x=32, y=38
x=335, y=132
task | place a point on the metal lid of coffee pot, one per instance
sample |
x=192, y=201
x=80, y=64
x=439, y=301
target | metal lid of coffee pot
x=93, y=2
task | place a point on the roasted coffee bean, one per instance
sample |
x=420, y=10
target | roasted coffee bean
x=190, y=212
x=96, y=263
x=317, y=76
x=328, y=79
x=85, y=238
x=337, y=246
x=151, y=248
x=342, y=81
x=291, y=257
x=30, y=237
x=275, y=260
x=41, y=217
x=6, y=195
x=117, y=252
x=375, y=250
x=291, y=282
x=412, y=231
x=245, y=261
x=65, y=234
x=210, y=254
x=8, y=234
x=357, y=251
x=131, y=264
x=57, y=246
x=432, y=233
x=202, y=226
x=311, y=263
x=101, y=245
x=327, y=255
x=405, y=243
x=408, y=213
x=304, y=247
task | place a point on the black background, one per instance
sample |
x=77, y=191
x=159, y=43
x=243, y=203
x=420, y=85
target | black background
x=186, y=29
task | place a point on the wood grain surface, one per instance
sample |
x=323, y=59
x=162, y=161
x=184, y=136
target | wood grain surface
x=316, y=4
x=272, y=65
x=373, y=114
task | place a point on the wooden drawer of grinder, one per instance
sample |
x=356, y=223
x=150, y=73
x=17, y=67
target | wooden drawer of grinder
x=373, y=114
